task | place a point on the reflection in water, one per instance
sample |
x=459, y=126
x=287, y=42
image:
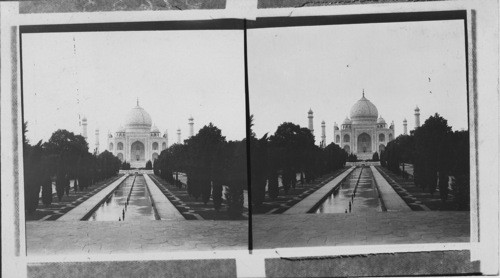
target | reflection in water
x=365, y=199
x=129, y=202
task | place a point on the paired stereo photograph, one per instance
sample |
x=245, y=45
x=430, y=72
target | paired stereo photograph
x=246, y=134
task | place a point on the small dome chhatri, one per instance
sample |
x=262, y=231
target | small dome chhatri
x=137, y=117
x=380, y=120
x=347, y=121
x=364, y=110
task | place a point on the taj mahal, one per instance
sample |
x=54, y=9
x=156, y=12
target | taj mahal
x=137, y=140
x=364, y=132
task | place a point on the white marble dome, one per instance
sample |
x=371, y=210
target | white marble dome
x=364, y=110
x=138, y=118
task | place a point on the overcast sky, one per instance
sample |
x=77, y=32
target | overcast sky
x=326, y=68
x=175, y=74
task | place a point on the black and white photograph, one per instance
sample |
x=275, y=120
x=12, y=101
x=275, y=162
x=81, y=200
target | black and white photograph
x=134, y=141
x=256, y=138
x=360, y=134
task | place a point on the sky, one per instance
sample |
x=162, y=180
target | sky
x=174, y=74
x=326, y=68
x=178, y=74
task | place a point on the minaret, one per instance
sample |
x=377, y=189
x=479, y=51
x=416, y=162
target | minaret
x=84, y=127
x=97, y=140
x=417, y=117
x=178, y=136
x=323, y=134
x=405, y=126
x=165, y=135
x=310, y=116
x=191, y=127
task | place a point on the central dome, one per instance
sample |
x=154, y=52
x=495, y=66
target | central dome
x=138, y=118
x=364, y=111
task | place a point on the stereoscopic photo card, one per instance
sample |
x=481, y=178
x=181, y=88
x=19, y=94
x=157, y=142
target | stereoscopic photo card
x=249, y=139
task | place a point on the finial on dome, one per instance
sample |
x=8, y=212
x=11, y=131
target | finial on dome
x=363, y=92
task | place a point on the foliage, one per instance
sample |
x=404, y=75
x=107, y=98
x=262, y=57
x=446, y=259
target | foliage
x=149, y=165
x=436, y=154
x=291, y=150
x=33, y=170
x=210, y=163
x=125, y=165
x=375, y=157
x=63, y=157
x=352, y=158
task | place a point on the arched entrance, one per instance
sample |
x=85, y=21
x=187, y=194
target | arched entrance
x=154, y=156
x=137, y=151
x=347, y=149
x=381, y=148
x=120, y=156
x=364, y=143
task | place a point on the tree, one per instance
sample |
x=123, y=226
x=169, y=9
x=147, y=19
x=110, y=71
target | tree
x=236, y=178
x=460, y=169
x=149, y=165
x=259, y=167
x=32, y=172
x=108, y=165
x=125, y=165
x=383, y=158
x=352, y=158
x=375, y=157
x=46, y=179
x=202, y=150
x=432, y=153
x=292, y=152
x=69, y=149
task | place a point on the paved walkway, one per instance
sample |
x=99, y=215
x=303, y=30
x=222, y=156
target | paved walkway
x=308, y=230
x=165, y=209
x=310, y=201
x=392, y=200
x=113, y=237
